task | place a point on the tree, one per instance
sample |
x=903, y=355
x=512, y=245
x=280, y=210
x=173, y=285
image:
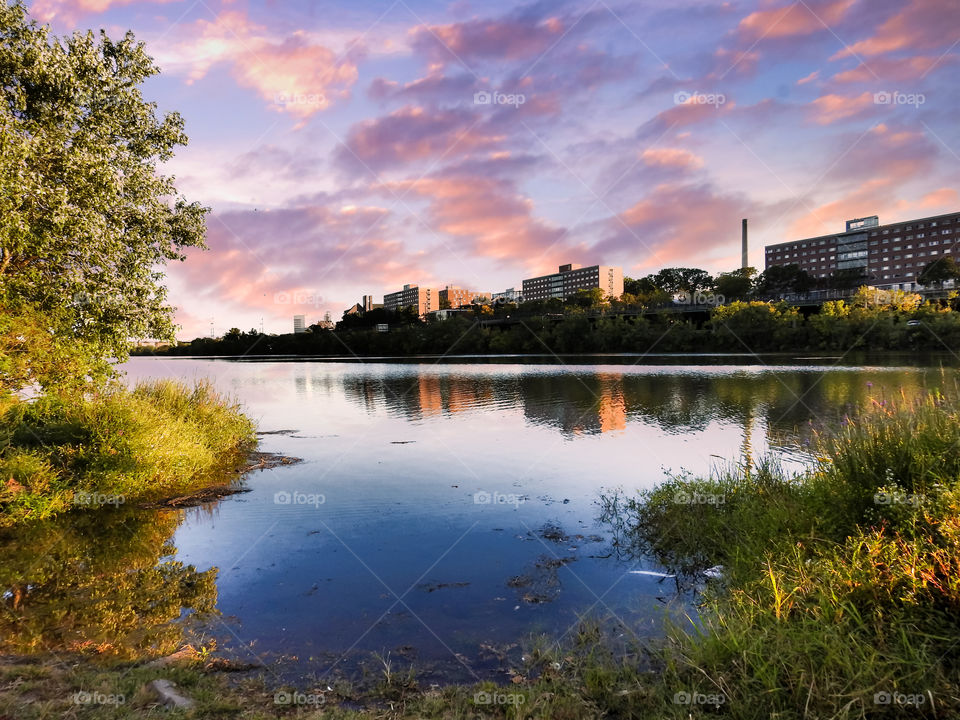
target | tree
x=643, y=286
x=674, y=280
x=847, y=278
x=937, y=272
x=735, y=285
x=779, y=279
x=85, y=218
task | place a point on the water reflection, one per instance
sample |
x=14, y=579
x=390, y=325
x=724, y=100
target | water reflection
x=104, y=582
x=590, y=402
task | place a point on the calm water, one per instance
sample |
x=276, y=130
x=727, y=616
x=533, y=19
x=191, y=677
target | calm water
x=442, y=512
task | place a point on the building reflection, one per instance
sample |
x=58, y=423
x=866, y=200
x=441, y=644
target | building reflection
x=589, y=403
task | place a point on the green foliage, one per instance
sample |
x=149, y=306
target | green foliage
x=838, y=584
x=156, y=441
x=937, y=272
x=85, y=218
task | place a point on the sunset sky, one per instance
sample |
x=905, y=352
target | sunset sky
x=343, y=150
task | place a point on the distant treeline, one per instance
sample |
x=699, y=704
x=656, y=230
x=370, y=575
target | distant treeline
x=870, y=320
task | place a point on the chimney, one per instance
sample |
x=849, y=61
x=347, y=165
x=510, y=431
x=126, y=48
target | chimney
x=744, y=262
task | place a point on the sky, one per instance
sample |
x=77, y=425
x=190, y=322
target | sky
x=350, y=147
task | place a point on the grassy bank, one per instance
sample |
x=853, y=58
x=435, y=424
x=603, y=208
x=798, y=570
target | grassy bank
x=162, y=438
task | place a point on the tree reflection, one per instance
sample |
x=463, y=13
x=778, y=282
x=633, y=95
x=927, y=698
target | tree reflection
x=102, y=582
x=581, y=402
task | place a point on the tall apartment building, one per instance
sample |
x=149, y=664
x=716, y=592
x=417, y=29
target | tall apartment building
x=423, y=299
x=890, y=256
x=299, y=324
x=571, y=278
x=458, y=297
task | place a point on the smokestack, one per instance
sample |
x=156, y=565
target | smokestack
x=743, y=245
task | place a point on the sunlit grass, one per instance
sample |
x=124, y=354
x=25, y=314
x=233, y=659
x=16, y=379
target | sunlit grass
x=161, y=438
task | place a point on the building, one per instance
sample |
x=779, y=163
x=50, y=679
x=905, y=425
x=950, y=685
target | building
x=423, y=299
x=299, y=324
x=890, y=256
x=571, y=278
x=360, y=308
x=510, y=295
x=458, y=297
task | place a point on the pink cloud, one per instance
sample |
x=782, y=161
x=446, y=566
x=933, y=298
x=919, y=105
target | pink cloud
x=672, y=158
x=512, y=38
x=293, y=73
x=890, y=69
x=793, y=19
x=809, y=78
x=920, y=26
x=944, y=199
x=831, y=108
x=489, y=215
x=412, y=134
x=69, y=11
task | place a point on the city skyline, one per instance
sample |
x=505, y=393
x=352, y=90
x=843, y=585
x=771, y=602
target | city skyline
x=474, y=145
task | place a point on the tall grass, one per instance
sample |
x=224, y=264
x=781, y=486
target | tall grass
x=160, y=439
x=840, y=596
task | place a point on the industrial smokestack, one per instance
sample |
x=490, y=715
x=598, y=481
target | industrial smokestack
x=744, y=262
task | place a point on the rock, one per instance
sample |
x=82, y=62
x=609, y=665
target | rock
x=164, y=689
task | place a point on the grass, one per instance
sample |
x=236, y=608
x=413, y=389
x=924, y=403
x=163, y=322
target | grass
x=840, y=595
x=162, y=438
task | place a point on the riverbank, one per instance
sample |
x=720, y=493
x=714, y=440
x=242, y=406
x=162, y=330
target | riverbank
x=160, y=440
x=830, y=593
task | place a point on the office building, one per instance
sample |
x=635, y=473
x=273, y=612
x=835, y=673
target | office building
x=571, y=278
x=890, y=256
x=299, y=324
x=423, y=299
x=510, y=295
x=458, y=297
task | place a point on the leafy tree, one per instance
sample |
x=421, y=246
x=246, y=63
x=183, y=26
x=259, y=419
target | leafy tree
x=846, y=279
x=674, y=280
x=939, y=271
x=85, y=218
x=784, y=279
x=643, y=286
x=735, y=285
